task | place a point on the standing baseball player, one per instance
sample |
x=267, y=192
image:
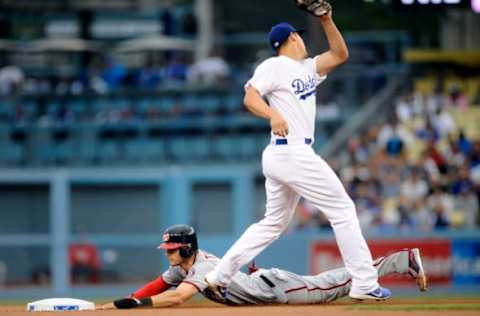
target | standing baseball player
x=189, y=265
x=291, y=168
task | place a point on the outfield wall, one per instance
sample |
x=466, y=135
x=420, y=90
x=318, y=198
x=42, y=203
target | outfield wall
x=122, y=213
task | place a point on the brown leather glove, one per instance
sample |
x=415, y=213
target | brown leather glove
x=315, y=7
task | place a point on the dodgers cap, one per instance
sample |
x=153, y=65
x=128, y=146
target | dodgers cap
x=279, y=34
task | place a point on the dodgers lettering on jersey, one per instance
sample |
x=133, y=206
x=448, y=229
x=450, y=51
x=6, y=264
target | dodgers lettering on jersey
x=290, y=88
x=304, y=89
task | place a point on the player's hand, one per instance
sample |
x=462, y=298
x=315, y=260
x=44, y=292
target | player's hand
x=105, y=306
x=278, y=124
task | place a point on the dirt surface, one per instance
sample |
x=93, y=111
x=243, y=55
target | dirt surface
x=342, y=308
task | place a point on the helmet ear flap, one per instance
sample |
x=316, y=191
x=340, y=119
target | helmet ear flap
x=186, y=251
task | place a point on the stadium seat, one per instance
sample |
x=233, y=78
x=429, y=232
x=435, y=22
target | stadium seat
x=425, y=85
x=210, y=104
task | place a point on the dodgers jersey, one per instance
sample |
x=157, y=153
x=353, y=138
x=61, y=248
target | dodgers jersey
x=290, y=87
x=243, y=290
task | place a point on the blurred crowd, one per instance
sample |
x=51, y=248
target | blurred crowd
x=106, y=75
x=52, y=103
x=416, y=171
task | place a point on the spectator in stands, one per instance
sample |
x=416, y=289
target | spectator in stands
x=11, y=79
x=84, y=263
x=414, y=188
x=148, y=76
x=404, y=108
x=391, y=181
x=474, y=155
x=434, y=102
x=91, y=77
x=176, y=70
x=368, y=210
x=437, y=157
x=455, y=157
x=443, y=122
x=430, y=167
x=428, y=132
x=394, y=133
x=211, y=71
x=449, y=193
x=466, y=206
x=418, y=106
x=357, y=149
x=462, y=182
x=405, y=212
x=464, y=143
x=476, y=97
x=457, y=98
x=422, y=218
x=441, y=204
x=167, y=19
x=394, y=145
x=114, y=74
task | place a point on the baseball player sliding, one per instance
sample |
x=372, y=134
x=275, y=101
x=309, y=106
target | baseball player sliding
x=189, y=265
x=291, y=168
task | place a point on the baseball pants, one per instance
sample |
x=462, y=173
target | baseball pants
x=326, y=286
x=293, y=171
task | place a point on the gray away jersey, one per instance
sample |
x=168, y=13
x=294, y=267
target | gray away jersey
x=289, y=288
x=243, y=290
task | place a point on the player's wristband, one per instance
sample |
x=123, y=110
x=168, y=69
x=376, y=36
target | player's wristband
x=131, y=302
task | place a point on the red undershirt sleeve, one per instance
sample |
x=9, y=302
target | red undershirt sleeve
x=152, y=288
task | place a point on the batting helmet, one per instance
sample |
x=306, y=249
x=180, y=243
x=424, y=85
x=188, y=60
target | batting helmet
x=181, y=237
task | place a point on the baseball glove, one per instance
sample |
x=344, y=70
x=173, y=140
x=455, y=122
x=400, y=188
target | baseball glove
x=315, y=7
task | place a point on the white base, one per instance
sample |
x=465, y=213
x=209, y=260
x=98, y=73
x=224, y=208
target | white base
x=60, y=304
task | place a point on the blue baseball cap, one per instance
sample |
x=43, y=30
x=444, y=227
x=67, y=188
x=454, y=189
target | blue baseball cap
x=279, y=34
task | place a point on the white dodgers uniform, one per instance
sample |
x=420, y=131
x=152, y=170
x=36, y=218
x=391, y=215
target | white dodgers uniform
x=292, y=169
x=275, y=286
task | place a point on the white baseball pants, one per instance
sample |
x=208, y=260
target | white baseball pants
x=292, y=171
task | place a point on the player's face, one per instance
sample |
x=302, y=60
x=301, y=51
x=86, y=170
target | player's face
x=298, y=45
x=301, y=46
x=173, y=256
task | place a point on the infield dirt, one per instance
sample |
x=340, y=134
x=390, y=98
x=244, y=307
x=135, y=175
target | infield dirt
x=342, y=308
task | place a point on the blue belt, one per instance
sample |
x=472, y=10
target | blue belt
x=283, y=141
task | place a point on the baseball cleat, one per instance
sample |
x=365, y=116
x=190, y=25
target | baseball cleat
x=380, y=294
x=415, y=269
x=218, y=290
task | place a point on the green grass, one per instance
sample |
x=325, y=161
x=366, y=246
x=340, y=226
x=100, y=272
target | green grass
x=415, y=307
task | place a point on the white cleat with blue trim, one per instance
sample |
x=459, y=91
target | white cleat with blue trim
x=380, y=294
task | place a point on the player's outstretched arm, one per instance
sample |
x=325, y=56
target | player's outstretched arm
x=254, y=103
x=338, y=51
x=180, y=295
x=152, y=288
x=166, y=299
